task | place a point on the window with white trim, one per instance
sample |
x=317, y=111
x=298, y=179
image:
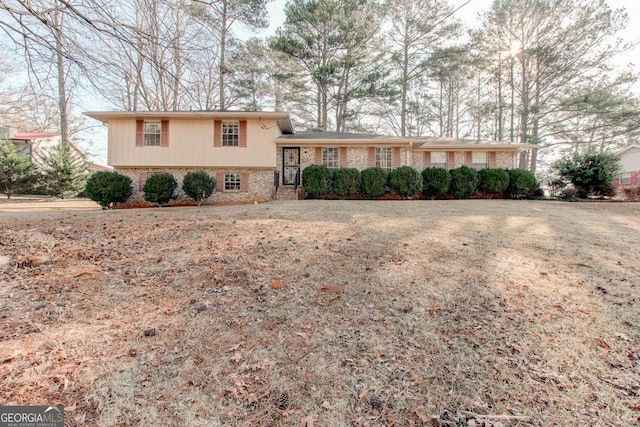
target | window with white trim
x=478, y=160
x=439, y=159
x=230, y=134
x=231, y=182
x=331, y=157
x=152, y=133
x=383, y=158
x=625, y=178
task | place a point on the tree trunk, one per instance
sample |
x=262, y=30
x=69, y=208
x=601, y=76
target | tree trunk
x=62, y=88
x=223, y=47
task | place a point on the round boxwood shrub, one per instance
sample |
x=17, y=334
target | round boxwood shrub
x=493, y=181
x=374, y=182
x=435, y=181
x=316, y=180
x=346, y=181
x=405, y=181
x=521, y=182
x=464, y=181
x=107, y=188
x=159, y=188
x=198, y=185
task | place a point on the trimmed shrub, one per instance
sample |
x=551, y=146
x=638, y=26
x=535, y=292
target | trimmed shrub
x=159, y=188
x=405, y=181
x=591, y=173
x=435, y=181
x=464, y=181
x=521, y=182
x=107, y=188
x=493, y=181
x=316, y=180
x=346, y=181
x=374, y=182
x=198, y=185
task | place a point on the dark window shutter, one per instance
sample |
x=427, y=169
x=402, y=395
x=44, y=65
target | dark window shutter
x=492, y=159
x=244, y=182
x=371, y=157
x=451, y=159
x=426, y=162
x=164, y=133
x=141, y=180
x=395, y=158
x=219, y=182
x=343, y=157
x=139, y=133
x=217, y=133
x=242, y=133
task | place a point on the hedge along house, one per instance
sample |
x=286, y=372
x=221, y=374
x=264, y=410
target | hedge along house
x=256, y=156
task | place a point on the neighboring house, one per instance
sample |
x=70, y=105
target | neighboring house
x=37, y=145
x=630, y=165
x=256, y=156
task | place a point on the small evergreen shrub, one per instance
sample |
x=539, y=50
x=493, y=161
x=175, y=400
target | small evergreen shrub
x=198, y=185
x=316, y=180
x=374, y=182
x=590, y=173
x=435, y=181
x=464, y=181
x=159, y=188
x=493, y=181
x=107, y=188
x=346, y=181
x=405, y=181
x=521, y=182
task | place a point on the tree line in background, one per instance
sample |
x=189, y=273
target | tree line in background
x=534, y=71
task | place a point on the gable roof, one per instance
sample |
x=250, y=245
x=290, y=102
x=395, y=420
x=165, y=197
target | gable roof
x=30, y=136
x=282, y=118
x=628, y=148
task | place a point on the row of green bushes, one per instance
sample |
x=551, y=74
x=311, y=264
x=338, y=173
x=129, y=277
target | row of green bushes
x=320, y=181
x=107, y=188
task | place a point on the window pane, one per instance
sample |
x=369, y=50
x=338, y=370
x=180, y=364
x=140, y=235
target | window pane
x=383, y=158
x=152, y=131
x=330, y=157
x=231, y=181
x=230, y=134
x=438, y=157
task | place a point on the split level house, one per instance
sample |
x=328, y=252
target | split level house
x=257, y=156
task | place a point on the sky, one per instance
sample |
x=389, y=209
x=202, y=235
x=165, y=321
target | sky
x=468, y=14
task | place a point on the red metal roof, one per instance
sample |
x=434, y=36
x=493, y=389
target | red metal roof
x=29, y=136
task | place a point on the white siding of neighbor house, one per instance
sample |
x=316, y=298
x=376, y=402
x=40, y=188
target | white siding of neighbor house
x=191, y=145
x=630, y=160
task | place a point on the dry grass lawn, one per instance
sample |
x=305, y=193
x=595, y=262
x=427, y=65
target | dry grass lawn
x=325, y=313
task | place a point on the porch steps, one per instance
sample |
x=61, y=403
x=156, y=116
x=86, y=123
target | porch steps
x=289, y=193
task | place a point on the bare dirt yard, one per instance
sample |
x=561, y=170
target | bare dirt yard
x=324, y=313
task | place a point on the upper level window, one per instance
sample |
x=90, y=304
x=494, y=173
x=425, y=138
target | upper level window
x=479, y=159
x=230, y=134
x=152, y=133
x=330, y=157
x=383, y=158
x=439, y=159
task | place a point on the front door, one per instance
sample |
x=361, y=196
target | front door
x=291, y=166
